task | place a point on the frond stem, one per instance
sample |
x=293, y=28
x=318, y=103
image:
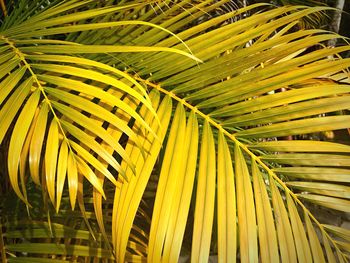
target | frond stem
x=245, y=148
x=2, y=246
x=3, y=7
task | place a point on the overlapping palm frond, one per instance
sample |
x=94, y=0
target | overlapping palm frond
x=60, y=100
x=237, y=113
x=200, y=148
x=53, y=237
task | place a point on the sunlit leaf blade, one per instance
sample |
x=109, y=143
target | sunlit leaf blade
x=96, y=92
x=246, y=210
x=205, y=198
x=7, y=68
x=94, y=26
x=10, y=22
x=98, y=204
x=342, y=257
x=24, y=158
x=316, y=173
x=175, y=235
x=93, y=127
x=301, y=146
x=339, y=231
x=72, y=178
x=329, y=252
x=207, y=45
x=127, y=198
x=48, y=19
x=36, y=143
x=128, y=192
x=109, y=81
x=298, y=159
x=119, y=194
x=93, y=75
x=167, y=185
x=298, y=127
x=266, y=84
x=62, y=165
x=98, y=209
x=299, y=233
x=86, y=171
x=7, y=85
x=266, y=225
x=280, y=99
x=328, y=189
x=226, y=206
x=89, y=158
x=60, y=249
x=190, y=33
x=283, y=226
x=18, y=137
x=292, y=111
x=99, y=65
x=327, y=201
x=91, y=143
x=5, y=58
x=316, y=249
x=73, y=49
x=92, y=108
x=51, y=156
x=13, y=104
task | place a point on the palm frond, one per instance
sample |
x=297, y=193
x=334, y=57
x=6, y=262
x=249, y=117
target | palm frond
x=215, y=169
x=59, y=119
x=221, y=93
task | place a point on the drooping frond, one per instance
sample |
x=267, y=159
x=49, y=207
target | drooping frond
x=260, y=79
x=61, y=103
x=209, y=155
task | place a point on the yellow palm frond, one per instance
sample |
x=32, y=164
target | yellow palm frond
x=178, y=120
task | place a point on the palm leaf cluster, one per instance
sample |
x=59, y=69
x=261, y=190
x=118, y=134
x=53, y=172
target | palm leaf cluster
x=167, y=128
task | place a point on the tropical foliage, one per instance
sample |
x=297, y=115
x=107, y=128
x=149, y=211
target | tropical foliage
x=142, y=131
